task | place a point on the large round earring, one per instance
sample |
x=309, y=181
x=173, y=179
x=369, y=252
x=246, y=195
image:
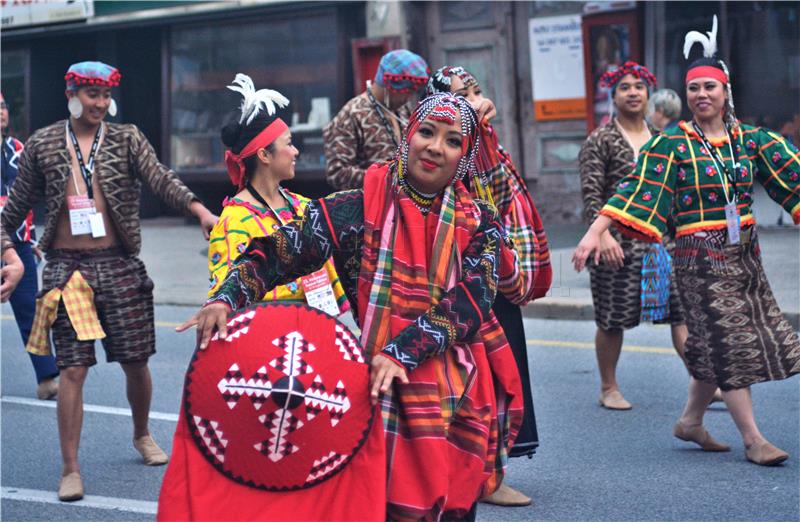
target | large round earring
x=75, y=107
x=112, y=108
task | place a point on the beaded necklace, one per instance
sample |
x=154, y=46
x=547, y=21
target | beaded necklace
x=423, y=201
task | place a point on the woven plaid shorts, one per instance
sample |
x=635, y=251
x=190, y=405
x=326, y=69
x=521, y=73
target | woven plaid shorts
x=123, y=296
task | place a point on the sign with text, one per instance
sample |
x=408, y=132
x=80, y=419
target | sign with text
x=17, y=13
x=557, y=67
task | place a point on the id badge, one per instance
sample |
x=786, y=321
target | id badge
x=97, y=225
x=734, y=223
x=80, y=209
x=319, y=292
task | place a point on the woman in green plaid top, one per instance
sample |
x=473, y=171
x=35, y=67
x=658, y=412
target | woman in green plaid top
x=702, y=173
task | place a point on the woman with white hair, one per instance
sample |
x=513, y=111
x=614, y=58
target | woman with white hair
x=665, y=109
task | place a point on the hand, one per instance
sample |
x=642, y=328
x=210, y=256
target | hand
x=209, y=318
x=10, y=274
x=610, y=251
x=381, y=374
x=590, y=244
x=206, y=218
x=38, y=253
x=485, y=109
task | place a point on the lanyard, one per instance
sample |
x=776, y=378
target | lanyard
x=263, y=201
x=719, y=163
x=87, y=169
x=382, y=116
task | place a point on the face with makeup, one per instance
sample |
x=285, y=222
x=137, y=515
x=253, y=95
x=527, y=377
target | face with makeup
x=281, y=157
x=95, y=101
x=706, y=98
x=433, y=154
x=473, y=93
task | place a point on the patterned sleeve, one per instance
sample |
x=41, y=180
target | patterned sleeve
x=28, y=189
x=778, y=163
x=528, y=277
x=163, y=181
x=643, y=201
x=593, y=164
x=294, y=250
x=340, y=143
x=222, y=248
x=462, y=310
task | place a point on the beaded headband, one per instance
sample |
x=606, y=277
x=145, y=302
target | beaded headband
x=445, y=108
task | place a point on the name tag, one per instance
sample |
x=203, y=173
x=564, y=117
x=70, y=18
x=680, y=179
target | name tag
x=319, y=292
x=97, y=225
x=734, y=223
x=80, y=210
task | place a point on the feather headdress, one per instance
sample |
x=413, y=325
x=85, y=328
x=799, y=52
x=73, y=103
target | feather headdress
x=709, y=42
x=254, y=100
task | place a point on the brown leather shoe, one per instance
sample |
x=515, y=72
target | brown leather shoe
x=613, y=400
x=507, y=496
x=71, y=487
x=47, y=389
x=699, y=436
x=151, y=453
x=765, y=454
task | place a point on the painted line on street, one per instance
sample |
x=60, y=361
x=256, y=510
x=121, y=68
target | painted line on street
x=94, y=408
x=590, y=346
x=89, y=501
x=531, y=342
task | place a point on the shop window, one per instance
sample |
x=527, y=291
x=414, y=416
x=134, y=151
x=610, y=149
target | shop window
x=276, y=54
x=14, y=81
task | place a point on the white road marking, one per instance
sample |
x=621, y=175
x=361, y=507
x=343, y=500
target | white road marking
x=89, y=501
x=94, y=408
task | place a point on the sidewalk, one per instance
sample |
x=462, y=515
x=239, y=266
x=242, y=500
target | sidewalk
x=570, y=296
x=175, y=255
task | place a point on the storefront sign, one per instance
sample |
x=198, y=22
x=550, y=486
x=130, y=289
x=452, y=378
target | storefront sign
x=557, y=68
x=17, y=13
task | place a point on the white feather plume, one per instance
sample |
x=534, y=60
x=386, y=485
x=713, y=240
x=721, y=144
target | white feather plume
x=254, y=100
x=709, y=42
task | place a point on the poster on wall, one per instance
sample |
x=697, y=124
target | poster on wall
x=559, y=91
x=610, y=39
x=18, y=13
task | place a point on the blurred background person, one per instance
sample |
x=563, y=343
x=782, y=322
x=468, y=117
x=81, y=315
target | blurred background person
x=665, y=109
x=369, y=127
x=23, y=300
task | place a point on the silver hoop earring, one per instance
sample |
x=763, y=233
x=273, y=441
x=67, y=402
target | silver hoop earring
x=75, y=107
x=112, y=108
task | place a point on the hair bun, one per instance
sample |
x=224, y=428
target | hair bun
x=230, y=134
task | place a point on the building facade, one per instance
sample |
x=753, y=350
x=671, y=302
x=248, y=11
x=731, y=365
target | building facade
x=539, y=61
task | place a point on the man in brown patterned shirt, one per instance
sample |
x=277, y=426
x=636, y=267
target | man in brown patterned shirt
x=94, y=287
x=367, y=129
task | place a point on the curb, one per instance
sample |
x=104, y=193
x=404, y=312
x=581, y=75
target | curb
x=583, y=310
x=547, y=308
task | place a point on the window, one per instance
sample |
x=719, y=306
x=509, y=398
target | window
x=15, y=87
x=276, y=54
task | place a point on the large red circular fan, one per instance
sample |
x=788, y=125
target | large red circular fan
x=282, y=403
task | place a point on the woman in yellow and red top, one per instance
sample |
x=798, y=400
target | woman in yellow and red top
x=261, y=156
x=703, y=172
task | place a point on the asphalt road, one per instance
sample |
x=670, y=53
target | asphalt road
x=592, y=464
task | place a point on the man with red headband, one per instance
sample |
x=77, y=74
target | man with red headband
x=89, y=173
x=368, y=128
